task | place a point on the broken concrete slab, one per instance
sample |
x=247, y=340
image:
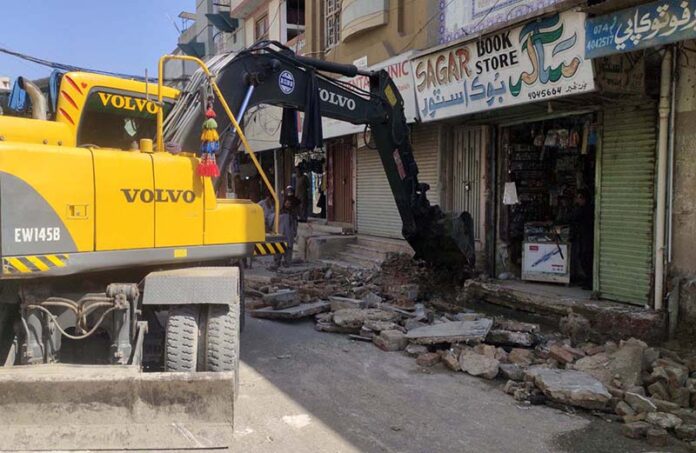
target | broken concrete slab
x=451, y=332
x=378, y=326
x=284, y=298
x=658, y=390
x=639, y=403
x=340, y=303
x=402, y=293
x=450, y=359
x=510, y=338
x=391, y=340
x=516, y=326
x=478, y=365
x=411, y=324
x=521, y=357
x=371, y=299
x=353, y=317
x=330, y=327
x=623, y=408
x=560, y=354
x=512, y=372
x=570, y=387
x=635, y=430
x=626, y=363
x=296, y=312
x=414, y=350
x=466, y=316
x=664, y=420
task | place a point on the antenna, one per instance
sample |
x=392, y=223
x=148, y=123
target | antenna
x=173, y=22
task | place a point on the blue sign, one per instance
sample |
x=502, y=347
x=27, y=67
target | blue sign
x=286, y=82
x=643, y=26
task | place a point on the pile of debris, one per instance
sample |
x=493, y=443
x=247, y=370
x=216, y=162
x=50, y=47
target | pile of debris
x=651, y=390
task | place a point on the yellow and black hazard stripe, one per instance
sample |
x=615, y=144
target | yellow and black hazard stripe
x=33, y=263
x=270, y=248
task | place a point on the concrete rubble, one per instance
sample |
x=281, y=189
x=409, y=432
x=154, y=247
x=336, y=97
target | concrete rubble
x=651, y=390
x=451, y=332
x=296, y=312
x=570, y=387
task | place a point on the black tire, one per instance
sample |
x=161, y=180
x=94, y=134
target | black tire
x=242, y=306
x=222, y=338
x=181, y=338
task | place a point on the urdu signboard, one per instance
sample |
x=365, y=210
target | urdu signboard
x=642, y=26
x=540, y=60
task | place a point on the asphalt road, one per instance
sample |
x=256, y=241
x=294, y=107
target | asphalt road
x=306, y=391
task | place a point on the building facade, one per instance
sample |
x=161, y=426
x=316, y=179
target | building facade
x=525, y=114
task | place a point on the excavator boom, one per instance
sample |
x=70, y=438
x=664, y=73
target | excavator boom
x=271, y=74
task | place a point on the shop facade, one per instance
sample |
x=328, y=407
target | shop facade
x=663, y=31
x=540, y=153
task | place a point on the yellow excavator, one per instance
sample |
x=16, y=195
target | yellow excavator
x=120, y=290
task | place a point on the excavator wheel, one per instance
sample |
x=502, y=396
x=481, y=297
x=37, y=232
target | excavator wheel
x=181, y=338
x=222, y=339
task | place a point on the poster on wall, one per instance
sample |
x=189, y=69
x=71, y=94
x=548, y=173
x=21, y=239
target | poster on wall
x=649, y=25
x=540, y=60
x=460, y=19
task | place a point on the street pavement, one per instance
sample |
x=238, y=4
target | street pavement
x=306, y=391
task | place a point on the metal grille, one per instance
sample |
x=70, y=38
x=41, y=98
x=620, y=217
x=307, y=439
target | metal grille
x=468, y=149
x=626, y=198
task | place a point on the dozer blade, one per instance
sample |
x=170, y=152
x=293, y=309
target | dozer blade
x=75, y=407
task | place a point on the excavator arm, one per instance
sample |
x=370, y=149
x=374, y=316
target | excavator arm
x=272, y=74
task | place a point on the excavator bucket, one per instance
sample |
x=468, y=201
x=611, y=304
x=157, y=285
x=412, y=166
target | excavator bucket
x=69, y=407
x=447, y=241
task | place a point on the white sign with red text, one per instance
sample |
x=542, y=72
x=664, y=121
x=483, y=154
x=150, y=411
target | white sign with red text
x=399, y=68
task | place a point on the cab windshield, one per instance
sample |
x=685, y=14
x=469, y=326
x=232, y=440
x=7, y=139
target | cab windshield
x=118, y=120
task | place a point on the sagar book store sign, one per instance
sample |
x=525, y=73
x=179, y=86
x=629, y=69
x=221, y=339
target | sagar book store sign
x=540, y=60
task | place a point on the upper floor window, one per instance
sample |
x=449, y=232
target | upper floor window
x=332, y=22
x=261, y=28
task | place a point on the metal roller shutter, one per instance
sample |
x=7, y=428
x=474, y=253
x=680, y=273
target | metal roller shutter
x=626, y=199
x=376, y=211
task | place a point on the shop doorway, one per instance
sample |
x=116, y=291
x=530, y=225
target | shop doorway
x=546, y=202
x=469, y=145
x=340, y=195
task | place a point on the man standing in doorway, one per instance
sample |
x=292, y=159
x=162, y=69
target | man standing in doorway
x=582, y=223
x=302, y=192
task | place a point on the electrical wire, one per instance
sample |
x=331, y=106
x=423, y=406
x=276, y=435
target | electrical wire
x=68, y=67
x=63, y=332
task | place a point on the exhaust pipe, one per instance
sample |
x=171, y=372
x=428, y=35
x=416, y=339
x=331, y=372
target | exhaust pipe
x=39, y=105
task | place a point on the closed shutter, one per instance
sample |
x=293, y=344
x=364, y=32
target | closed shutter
x=376, y=210
x=626, y=197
